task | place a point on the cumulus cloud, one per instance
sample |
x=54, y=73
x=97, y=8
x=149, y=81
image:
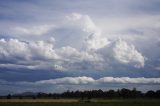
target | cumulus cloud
x=30, y=55
x=72, y=54
x=121, y=52
x=19, y=50
x=85, y=22
x=41, y=49
x=94, y=39
x=73, y=59
x=13, y=49
x=43, y=54
x=127, y=54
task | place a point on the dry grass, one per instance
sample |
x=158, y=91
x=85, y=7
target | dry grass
x=39, y=100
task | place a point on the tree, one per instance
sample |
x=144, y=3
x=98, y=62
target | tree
x=9, y=96
x=125, y=93
x=158, y=94
x=150, y=94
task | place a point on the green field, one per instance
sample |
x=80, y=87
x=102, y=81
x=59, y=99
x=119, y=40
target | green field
x=138, y=102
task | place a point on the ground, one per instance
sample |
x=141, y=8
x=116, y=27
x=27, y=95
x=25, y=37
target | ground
x=76, y=102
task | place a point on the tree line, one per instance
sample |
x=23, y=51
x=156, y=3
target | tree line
x=89, y=94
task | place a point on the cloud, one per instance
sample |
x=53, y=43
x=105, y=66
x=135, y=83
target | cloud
x=31, y=55
x=128, y=80
x=120, y=52
x=105, y=80
x=157, y=68
x=42, y=49
x=78, y=83
x=68, y=80
x=43, y=55
x=87, y=80
x=98, y=53
x=85, y=22
x=73, y=59
x=74, y=55
x=127, y=54
x=33, y=30
x=84, y=42
x=13, y=49
x=94, y=39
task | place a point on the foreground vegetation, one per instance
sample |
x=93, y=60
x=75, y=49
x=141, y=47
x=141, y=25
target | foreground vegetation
x=110, y=94
x=123, y=97
x=114, y=102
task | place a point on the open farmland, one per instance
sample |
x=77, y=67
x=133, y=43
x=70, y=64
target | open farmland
x=74, y=102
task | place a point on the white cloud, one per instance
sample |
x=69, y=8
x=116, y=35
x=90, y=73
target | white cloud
x=127, y=54
x=68, y=80
x=41, y=49
x=128, y=80
x=73, y=59
x=85, y=22
x=73, y=55
x=120, y=52
x=104, y=80
x=43, y=55
x=88, y=80
x=95, y=42
x=15, y=49
x=94, y=39
x=99, y=53
x=33, y=30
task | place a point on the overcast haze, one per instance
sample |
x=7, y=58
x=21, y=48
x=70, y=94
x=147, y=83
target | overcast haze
x=59, y=45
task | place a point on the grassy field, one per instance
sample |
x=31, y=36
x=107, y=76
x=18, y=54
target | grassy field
x=73, y=102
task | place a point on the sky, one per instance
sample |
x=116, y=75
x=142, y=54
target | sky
x=58, y=45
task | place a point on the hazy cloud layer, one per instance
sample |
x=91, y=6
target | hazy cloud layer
x=104, y=80
x=88, y=80
x=78, y=83
x=34, y=30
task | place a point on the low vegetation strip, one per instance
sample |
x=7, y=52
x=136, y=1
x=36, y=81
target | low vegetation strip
x=93, y=102
x=79, y=104
x=39, y=100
